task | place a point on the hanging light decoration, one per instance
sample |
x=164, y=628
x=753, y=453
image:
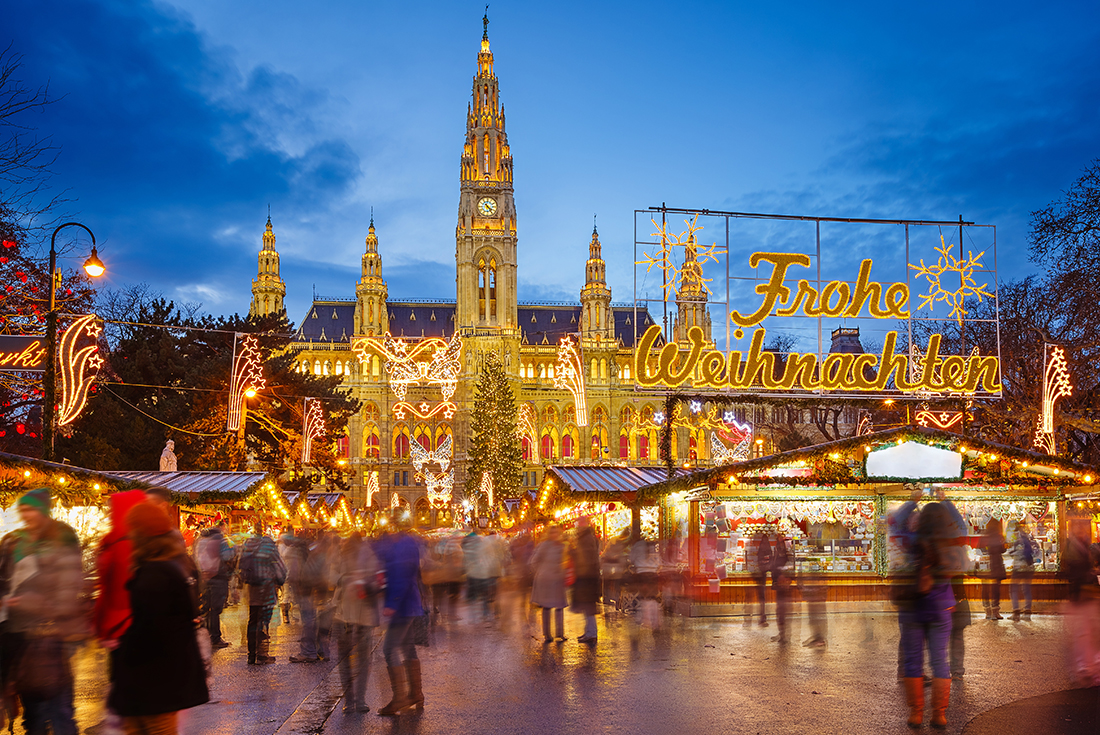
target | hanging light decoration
x=1056, y=384
x=570, y=376
x=486, y=488
x=79, y=367
x=372, y=486
x=246, y=378
x=313, y=426
x=527, y=428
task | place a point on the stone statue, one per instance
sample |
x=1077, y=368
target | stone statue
x=168, y=457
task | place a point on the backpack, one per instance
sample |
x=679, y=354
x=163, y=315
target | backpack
x=208, y=556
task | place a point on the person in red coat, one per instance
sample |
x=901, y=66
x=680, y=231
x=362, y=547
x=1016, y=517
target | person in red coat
x=112, y=605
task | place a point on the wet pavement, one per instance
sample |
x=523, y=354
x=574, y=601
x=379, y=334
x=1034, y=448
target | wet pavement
x=692, y=675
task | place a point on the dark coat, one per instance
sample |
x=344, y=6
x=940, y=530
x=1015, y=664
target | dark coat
x=157, y=667
x=586, y=565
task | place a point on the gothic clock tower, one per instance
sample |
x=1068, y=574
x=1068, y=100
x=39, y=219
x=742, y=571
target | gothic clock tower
x=485, y=247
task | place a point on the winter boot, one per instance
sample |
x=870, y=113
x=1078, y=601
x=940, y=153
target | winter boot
x=1015, y=616
x=400, y=695
x=941, y=694
x=988, y=611
x=997, y=612
x=416, y=694
x=914, y=696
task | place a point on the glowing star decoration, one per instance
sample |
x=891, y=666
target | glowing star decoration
x=372, y=486
x=570, y=376
x=395, y=501
x=938, y=419
x=439, y=484
x=951, y=267
x=424, y=410
x=313, y=426
x=486, y=488
x=527, y=427
x=247, y=376
x=690, y=276
x=696, y=406
x=1056, y=384
x=865, y=426
x=79, y=367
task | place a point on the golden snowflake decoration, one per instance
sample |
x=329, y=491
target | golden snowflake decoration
x=691, y=273
x=948, y=263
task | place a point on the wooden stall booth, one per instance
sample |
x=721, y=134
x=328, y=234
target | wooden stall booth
x=832, y=504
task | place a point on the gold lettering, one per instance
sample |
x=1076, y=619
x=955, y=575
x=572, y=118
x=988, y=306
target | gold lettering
x=862, y=377
x=953, y=373
x=897, y=300
x=835, y=370
x=712, y=369
x=802, y=368
x=805, y=298
x=891, y=364
x=758, y=363
x=670, y=353
x=984, y=370
x=773, y=290
x=839, y=289
x=866, y=293
x=641, y=358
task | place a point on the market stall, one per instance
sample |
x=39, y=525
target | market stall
x=831, y=504
x=606, y=494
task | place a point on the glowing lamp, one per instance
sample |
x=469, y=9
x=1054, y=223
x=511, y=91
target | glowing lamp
x=889, y=401
x=1087, y=478
x=93, y=266
x=26, y=473
x=250, y=392
x=1056, y=470
x=993, y=458
x=96, y=486
x=61, y=480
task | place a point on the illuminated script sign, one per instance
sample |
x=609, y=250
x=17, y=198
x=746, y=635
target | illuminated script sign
x=913, y=340
x=23, y=352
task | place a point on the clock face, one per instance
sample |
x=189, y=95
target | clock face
x=487, y=207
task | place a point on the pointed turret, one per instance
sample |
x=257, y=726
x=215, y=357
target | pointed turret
x=691, y=299
x=268, y=289
x=371, y=315
x=596, y=322
x=485, y=250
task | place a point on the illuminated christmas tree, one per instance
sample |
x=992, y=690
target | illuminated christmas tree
x=494, y=444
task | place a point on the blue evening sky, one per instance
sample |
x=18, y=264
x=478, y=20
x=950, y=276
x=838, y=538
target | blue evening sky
x=181, y=121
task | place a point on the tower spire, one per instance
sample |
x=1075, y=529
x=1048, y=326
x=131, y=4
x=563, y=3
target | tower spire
x=485, y=23
x=268, y=288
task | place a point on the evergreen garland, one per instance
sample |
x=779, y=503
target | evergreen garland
x=494, y=444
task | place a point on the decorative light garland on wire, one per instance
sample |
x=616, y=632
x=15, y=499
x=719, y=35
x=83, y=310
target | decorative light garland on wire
x=570, y=376
x=247, y=375
x=79, y=366
x=1056, y=384
x=486, y=488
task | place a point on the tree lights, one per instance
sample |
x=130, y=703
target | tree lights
x=570, y=376
x=247, y=376
x=313, y=426
x=372, y=486
x=1056, y=384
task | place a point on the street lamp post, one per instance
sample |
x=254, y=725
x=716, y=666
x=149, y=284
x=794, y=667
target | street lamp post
x=93, y=266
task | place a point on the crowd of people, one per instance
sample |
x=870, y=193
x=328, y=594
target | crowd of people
x=157, y=605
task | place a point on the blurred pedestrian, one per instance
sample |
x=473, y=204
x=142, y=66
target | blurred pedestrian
x=645, y=563
x=327, y=549
x=42, y=580
x=993, y=543
x=1081, y=569
x=262, y=569
x=447, y=582
x=214, y=559
x=781, y=585
x=1022, y=554
x=475, y=558
x=113, y=571
x=304, y=568
x=548, y=584
x=158, y=668
x=495, y=559
x=585, y=554
x=902, y=529
x=613, y=567
x=399, y=554
x=286, y=542
x=162, y=498
x=925, y=603
x=957, y=559
x=760, y=577
x=357, y=616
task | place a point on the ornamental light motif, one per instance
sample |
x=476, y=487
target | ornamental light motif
x=570, y=376
x=439, y=484
x=527, y=428
x=938, y=419
x=432, y=360
x=1056, y=384
x=79, y=367
x=247, y=376
x=486, y=488
x=372, y=486
x=738, y=434
x=313, y=426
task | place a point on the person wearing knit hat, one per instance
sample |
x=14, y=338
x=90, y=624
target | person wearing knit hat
x=41, y=583
x=158, y=669
x=37, y=499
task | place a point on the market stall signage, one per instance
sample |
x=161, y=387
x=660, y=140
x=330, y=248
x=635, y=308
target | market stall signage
x=915, y=461
x=693, y=362
x=23, y=352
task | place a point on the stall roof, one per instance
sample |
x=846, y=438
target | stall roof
x=193, y=483
x=609, y=483
x=1038, y=464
